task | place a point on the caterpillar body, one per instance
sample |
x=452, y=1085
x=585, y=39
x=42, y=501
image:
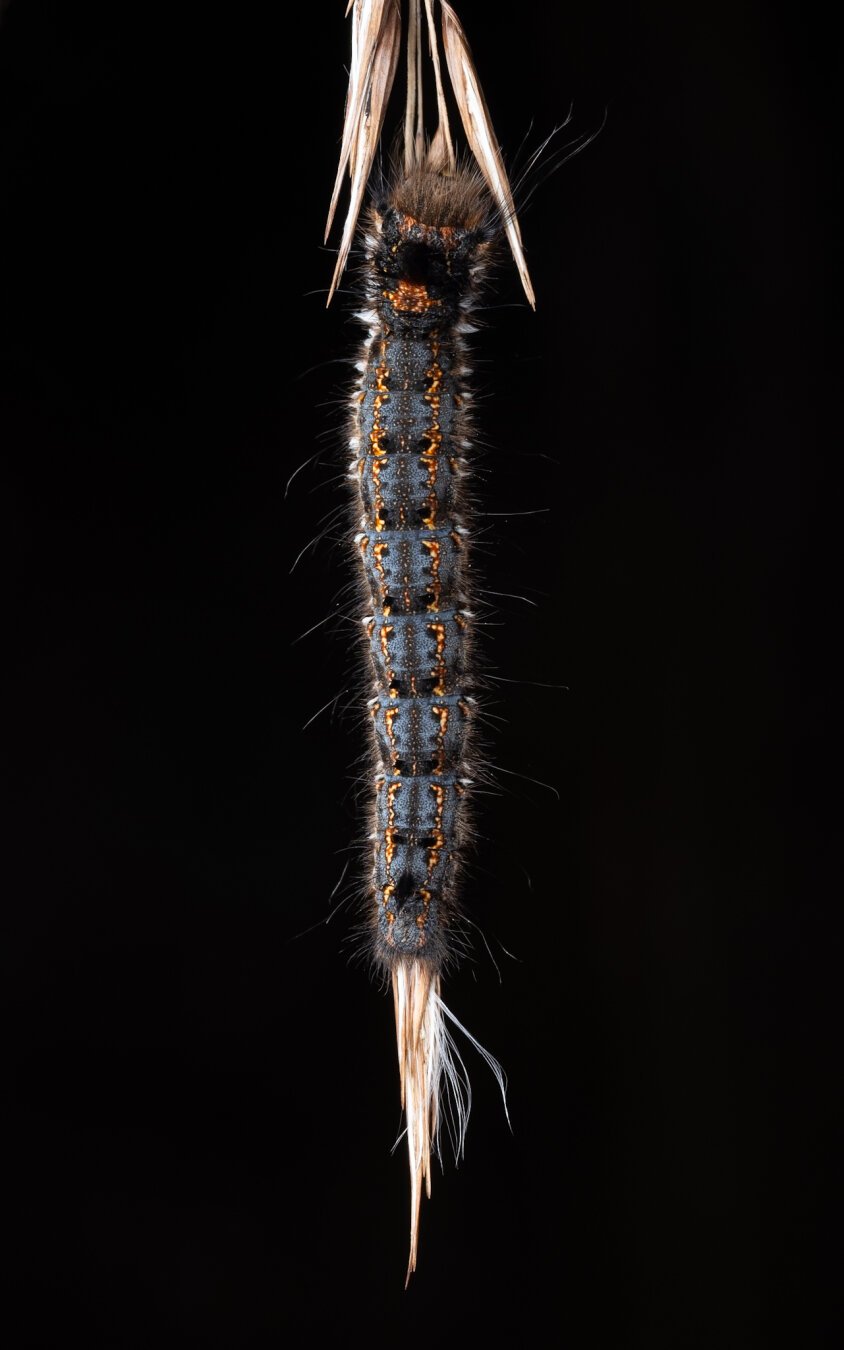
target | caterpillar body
x=427, y=245
x=426, y=248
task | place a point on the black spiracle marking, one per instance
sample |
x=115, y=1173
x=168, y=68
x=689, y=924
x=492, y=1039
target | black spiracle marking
x=411, y=431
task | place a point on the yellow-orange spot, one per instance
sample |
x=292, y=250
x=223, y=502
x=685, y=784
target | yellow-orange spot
x=411, y=297
x=390, y=830
x=378, y=432
x=430, y=456
x=434, y=376
x=433, y=433
x=432, y=546
x=378, y=552
x=439, y=671
x=430, y=520
x=441, y=715
x=447, y=233
x=389, y=717
x=422, y=919
x=380, y=520
x=385, y=631
x=434, y=851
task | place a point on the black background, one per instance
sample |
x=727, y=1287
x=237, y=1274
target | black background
x=203, y=1090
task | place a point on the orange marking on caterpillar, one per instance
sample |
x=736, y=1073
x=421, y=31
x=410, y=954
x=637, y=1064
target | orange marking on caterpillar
x=430, y=521
x=378, y=552
x=433, y=435
x=441, y=714
x=440, y=671
x=432, y=547
x=386, y=630
x=411, y=297
x=434, y=851
x=390, y=830
x=378, y=432
x=380, y=519
x=435, y=375
x=446, y=233
x=389, y=718
x=422, y=919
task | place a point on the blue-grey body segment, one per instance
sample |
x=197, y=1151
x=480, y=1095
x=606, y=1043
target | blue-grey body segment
x=408, y=575
x=411, y=740
x=420, y=655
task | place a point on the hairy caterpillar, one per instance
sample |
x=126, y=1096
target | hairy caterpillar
x=427, y=244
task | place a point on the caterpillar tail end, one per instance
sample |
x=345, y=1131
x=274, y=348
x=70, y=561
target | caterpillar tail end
x=420, y=1035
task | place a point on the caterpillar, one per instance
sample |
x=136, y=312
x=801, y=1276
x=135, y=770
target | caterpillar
x=427, y=241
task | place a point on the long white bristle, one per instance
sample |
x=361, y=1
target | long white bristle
x=434, y=1080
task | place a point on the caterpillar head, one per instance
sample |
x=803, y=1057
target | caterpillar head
x=424, y=266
